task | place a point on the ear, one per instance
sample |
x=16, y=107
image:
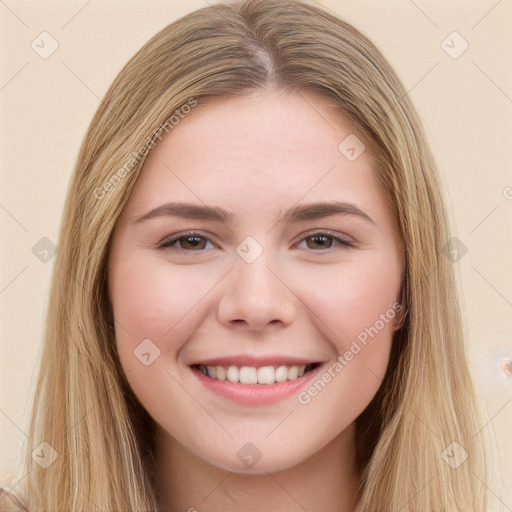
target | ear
x=400, y=317
x=401, y=308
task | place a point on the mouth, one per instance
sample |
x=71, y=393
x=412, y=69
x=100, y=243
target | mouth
x=256, y=375
x=255, y=379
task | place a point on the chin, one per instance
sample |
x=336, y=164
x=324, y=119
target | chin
x=277, y=462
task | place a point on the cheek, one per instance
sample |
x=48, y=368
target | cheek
x=156, y=310
x=352, y=297
x=355, y=308
x=152, y=302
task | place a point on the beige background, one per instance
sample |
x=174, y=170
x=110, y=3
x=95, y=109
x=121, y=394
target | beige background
x=466, y=105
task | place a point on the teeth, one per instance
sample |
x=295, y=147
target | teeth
x=232, y=374
x=252, y=375
x=293, y=373
x=221, y=373
x=281, y=374
x=248, y=375
x=266, y=375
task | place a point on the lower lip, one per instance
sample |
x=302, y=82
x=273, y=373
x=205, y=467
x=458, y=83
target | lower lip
x=256, y=394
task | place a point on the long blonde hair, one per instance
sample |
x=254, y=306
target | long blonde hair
x=83, y=405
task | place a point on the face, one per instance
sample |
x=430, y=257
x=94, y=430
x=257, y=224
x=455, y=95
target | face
x=289, y=308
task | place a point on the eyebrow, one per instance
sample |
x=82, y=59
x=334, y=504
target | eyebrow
x=299, y=213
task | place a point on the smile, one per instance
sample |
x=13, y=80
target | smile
x=254, y=375
x=255, y=385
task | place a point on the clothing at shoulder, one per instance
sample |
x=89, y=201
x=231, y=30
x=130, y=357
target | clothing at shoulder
x=9, y=502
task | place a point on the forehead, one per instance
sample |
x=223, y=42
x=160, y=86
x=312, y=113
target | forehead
x=262, y=143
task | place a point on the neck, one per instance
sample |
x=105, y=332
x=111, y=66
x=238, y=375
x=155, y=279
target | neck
x=327, y=480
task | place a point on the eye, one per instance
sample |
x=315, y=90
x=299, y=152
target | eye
x=194, y=241
x=320, y=240
x=191, y=241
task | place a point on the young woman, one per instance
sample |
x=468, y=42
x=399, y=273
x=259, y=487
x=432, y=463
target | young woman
x=251, y=307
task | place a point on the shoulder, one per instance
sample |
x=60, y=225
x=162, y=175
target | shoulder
x=9, y=502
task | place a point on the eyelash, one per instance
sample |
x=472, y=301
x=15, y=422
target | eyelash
x=168, y=242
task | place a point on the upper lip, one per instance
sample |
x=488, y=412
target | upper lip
x=252, y=360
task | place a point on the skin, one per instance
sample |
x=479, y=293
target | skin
x=256, y=156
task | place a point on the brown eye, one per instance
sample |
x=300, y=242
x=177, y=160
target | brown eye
x=186, y=242
x=191, y=242
x=321, y=241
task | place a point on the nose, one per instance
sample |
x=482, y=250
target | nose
x=257, y=295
